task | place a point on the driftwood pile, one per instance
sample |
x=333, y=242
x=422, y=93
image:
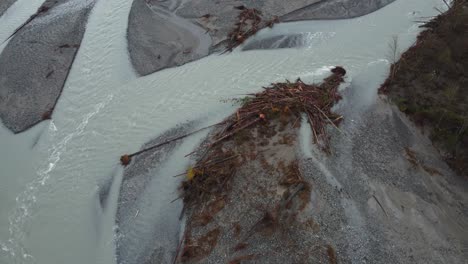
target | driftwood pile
x=250, y=21
x=295, y=98
x=269, y=115
x=217, y=165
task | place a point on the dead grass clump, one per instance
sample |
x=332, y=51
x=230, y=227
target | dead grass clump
x=196, y=250
x=209, y=179
x=431, y=170
x=292, y=178
x=331, y=255
x=209, y=212
x=411, y=157
x=237, y=229
x=239, y=260
x=415, y=162
x=312, y=225
x=284, y=212
x=240, y=246
x=267, y=225
x=304, y=196
x=47, y=115
x=291, y=174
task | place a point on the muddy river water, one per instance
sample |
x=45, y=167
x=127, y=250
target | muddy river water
x=52, y=174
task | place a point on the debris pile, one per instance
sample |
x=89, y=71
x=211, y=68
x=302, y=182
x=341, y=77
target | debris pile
x=249, y=161
x=250, y=22
x=295, y=98
x=217, y=164
x=313, y=100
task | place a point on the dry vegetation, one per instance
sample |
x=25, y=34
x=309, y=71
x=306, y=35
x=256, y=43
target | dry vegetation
x=211, y=173
x=429, y=83
x=267, y=119
x=250, y=21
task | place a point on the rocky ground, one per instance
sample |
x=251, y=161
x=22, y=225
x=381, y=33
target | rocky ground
x=429, y=83
x=35, y=64
x=164, y=46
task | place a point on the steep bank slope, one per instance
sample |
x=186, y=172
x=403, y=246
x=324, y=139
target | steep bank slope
x=430, y=84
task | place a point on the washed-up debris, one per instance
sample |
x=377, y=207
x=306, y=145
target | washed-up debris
x=217, y=166
x=127, y=158
x=67, y=46
x=240, y=259
x=268, y=116
x=250, y=21
x=412, y=158
x=47, y=115
x=331, y=255
x=297, y=97
x=203, y=246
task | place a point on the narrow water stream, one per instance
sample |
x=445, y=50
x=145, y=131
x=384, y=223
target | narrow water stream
x=51, y=213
